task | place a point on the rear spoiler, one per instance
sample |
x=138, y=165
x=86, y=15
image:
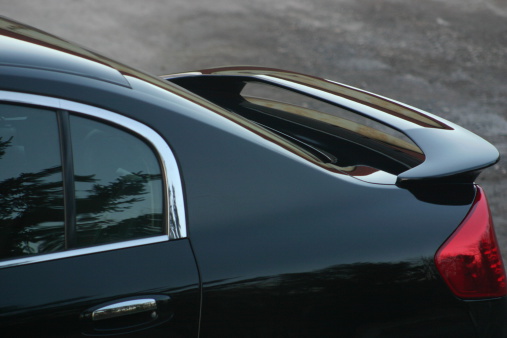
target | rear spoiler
x=453, y=154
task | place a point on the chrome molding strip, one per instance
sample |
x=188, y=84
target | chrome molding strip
x=175, y=207
x=82, y=252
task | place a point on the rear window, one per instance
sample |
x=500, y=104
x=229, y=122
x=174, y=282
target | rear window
x=341, y=137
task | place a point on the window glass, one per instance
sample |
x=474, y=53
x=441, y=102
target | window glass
x=302, y=105
x=119, y=190
x=31, y=189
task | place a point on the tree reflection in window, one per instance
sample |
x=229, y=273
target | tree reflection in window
x=31, y=189
x=118, y=185
x=119, y=190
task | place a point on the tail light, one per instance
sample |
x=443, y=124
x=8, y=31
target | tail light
x=470, y=260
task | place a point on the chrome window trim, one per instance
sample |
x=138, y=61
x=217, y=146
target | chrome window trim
x=175, y=211
x=175, y=208
x=82, y=251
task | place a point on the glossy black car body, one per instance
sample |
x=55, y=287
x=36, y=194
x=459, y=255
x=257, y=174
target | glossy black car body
x=276, y=220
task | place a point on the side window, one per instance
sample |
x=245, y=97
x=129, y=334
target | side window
x=117, y=189
x=118, y=184
x=31, y=188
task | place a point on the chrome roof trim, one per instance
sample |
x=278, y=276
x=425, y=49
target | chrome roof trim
x=81, y=252
x=176, y=221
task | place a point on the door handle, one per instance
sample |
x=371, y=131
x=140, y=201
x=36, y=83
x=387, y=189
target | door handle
x=126, y=308
x=127, y=315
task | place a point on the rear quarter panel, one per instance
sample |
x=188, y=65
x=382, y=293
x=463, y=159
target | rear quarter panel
x=286, y=248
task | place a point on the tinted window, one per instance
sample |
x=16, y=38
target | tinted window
x=31, y=198
x=119, y=190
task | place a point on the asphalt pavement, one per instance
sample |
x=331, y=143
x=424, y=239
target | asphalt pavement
x=447, y=57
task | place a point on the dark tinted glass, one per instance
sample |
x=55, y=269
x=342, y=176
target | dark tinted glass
x=118, y=184
x=31, y=189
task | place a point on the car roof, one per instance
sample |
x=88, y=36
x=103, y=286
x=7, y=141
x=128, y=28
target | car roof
x=27, y=47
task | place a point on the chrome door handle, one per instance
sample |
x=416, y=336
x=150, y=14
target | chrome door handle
x=125, y=308
x=127, y=315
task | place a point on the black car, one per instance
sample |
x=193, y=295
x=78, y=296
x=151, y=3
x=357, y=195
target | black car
x=233, y=202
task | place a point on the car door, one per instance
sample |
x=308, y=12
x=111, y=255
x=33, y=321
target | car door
x=92, y=225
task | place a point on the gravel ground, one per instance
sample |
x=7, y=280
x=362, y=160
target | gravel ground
x=446, y=57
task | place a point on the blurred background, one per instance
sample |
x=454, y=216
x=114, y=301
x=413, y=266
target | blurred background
x=448, y=57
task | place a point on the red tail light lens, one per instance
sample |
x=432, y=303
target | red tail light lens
x=470, y=260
